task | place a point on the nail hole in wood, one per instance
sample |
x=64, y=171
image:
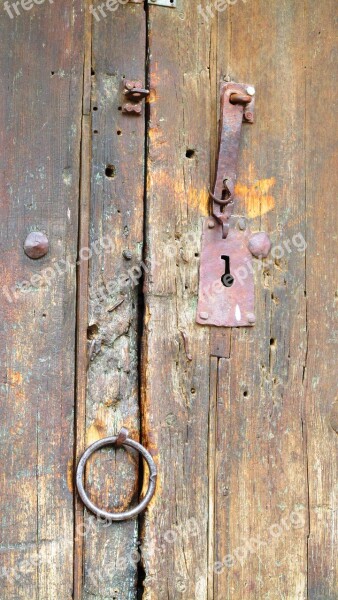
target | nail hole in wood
x=92, y=331
x=190, y=153
x=110, y=171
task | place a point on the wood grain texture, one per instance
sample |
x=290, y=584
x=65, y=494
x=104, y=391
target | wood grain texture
x=320, y=401
x=254, y=450
x=41, y=83
x=261, y=496
x=175, y=402
x=116, y=226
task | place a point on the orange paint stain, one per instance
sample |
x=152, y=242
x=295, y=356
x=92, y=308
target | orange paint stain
x=96, y=431
x=70, y=476
x=258, y=201
x=198, y=200
x=14, y=378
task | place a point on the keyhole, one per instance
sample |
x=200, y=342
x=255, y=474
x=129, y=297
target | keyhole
x=227, y=279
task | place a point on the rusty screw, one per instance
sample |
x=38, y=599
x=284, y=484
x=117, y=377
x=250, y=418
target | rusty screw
x=251, y=318
x=36, y=245
x=127, y=254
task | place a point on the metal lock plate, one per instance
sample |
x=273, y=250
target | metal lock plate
x=226, y=289
x=226, y=292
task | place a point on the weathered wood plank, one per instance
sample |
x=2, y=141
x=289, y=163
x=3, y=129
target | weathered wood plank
x=320, y=410
x=82, y=299
x=41, y=83
x=261, y=499
x=116, y=222
x=175, y=400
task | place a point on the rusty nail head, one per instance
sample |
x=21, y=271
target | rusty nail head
x=211, y=224
x=122, y=436
x=127, y=254
x=249, y=116
x=204, y=316
x=259, y=244
x=251, y=318
x=36, y=245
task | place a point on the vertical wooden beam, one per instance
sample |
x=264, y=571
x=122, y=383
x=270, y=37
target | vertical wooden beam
x=320, y=381
x=262, y=516
x=176, y=354
x=82, y=300
x=41, y=82
x=115, y=277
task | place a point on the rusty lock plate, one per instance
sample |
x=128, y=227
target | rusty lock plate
x=229, y=301
x=226, y=288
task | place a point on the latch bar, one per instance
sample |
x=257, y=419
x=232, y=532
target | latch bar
x=226, y=288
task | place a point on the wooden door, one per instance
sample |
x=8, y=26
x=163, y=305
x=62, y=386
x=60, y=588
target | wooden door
x=100, y=331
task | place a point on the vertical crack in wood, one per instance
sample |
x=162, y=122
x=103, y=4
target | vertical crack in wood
x=212, y=429
x=141, y=573
x=82, y=299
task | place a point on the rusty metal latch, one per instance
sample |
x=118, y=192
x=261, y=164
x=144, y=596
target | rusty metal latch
x=226, y=289
x=134, y=94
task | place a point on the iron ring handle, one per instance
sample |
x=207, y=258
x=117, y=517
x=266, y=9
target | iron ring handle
x=117, y=440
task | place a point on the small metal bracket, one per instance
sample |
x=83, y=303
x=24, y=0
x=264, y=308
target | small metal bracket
x=168, y=3
x=226, y=288
x=134, y=94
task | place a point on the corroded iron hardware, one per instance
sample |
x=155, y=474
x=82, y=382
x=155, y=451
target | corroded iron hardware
x=134, y=94
x=122, y=439
x=226, y=289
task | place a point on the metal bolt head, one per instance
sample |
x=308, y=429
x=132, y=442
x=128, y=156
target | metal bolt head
x=250, y=90
x=211, y=224
x=251, y=318
x=249, y=116
x=259, y=244
x=36, y=245
x=127, y=254
x=204, y=316
x=242, y=224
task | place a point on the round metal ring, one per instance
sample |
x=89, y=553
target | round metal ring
x=119, y=441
